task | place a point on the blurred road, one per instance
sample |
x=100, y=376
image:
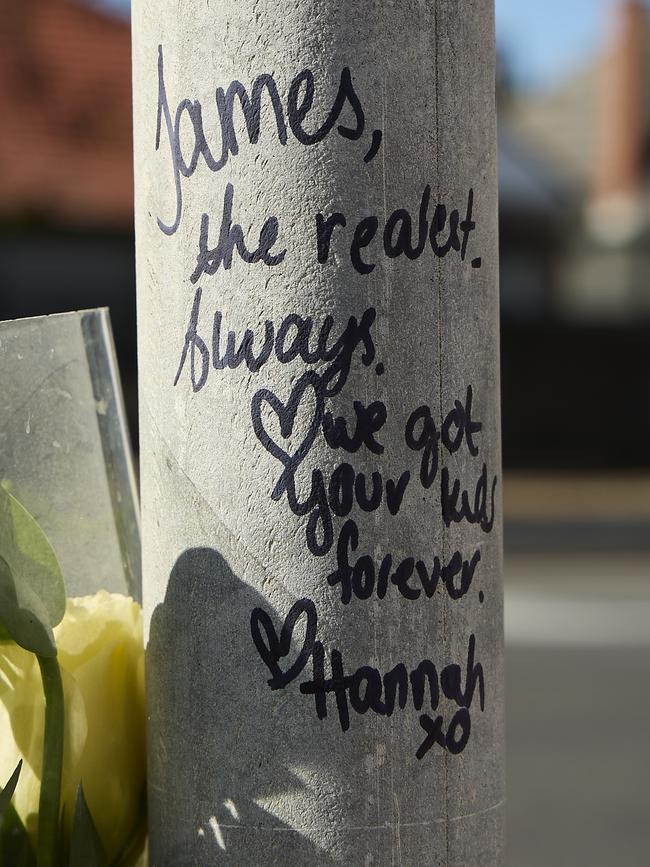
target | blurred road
x=578, y=693
x=578, y=757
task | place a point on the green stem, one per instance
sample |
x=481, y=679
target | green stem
x=50, y=800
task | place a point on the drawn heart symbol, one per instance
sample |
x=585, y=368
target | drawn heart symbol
x=287, y=415
x=273, y=648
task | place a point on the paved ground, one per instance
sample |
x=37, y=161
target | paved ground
x=579, y=757
x=578, y=688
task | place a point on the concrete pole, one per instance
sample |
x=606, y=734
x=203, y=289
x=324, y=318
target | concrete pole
x=318, y=315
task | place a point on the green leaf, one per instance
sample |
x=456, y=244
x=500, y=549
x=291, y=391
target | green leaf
x=32, y=591
x=7, y=793
x=16, y=848
x=85, y=846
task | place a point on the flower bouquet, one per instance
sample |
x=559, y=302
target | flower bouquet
x=72, y=734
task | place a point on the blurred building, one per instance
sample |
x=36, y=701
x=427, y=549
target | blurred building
x=575, y=259
x=65, y=97
x=66, y=192
x=575, y=232
x=592, y=135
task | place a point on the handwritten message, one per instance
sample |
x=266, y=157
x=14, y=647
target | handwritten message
x=444, y=694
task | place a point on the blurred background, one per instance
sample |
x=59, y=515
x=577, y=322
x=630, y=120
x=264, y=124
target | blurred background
x=574, y=113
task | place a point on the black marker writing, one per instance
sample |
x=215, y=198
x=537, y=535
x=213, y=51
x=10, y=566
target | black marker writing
x=231, y=238
x=413, y=579
x=299, y=104
x=366, y=689
x=295, y=337
x=446, y=232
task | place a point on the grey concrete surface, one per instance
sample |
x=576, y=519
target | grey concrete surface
x=578, y=709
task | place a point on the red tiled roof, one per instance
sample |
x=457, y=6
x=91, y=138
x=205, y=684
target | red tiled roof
x=65, y=104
